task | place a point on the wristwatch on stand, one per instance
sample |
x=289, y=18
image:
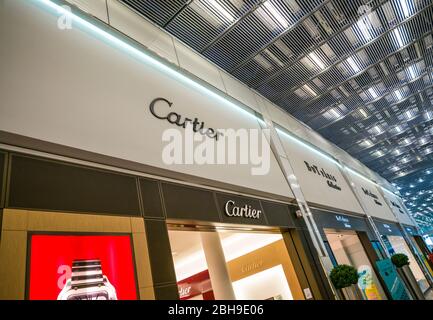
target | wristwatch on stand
x=87, y=282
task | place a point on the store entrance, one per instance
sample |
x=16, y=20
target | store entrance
x=397, y=244
x=347, y=249
x=238, y=264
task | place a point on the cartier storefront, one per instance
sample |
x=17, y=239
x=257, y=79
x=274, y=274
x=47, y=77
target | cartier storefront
x=145, y=238
x=228, y=246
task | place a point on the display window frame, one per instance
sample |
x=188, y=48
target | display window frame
x=364, y=240
x=30, y=234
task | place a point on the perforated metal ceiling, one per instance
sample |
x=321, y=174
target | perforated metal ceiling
x=358, y=72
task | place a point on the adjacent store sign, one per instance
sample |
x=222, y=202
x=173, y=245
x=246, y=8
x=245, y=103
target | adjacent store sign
x=319, y=176
x=331, y=181
x=245, y=211
x=397, y=208
x=370, y=197
x=81, y=267
x=387, y=228
x=344, y=221
x=336, y=221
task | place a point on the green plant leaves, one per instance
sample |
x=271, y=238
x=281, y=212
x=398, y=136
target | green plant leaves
x=400, y=260
x=343, y=276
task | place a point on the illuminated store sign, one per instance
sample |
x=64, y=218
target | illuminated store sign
x=344, y=220
x=179, y=120
x=331, y=180
x=387, y=227
x=246, y=211
x=372, y=195
x=81, y=267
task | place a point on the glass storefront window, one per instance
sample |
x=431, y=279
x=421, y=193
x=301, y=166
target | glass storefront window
x=258, y=265
x=347, y=249
x=397, y=244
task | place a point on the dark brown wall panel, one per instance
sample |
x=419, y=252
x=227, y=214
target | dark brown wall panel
x=189, y=203
x=161, y=261
x=150, y=195
x=49, y=185
x=278, y=214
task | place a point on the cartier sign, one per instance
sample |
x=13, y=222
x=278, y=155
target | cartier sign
x=232, y=210
x=159, y=107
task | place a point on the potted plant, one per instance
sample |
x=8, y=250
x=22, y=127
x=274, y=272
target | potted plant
x=345, y=279
x=401, y=261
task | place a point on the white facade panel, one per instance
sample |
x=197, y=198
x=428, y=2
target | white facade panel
x=77, y=89
x=320, y=178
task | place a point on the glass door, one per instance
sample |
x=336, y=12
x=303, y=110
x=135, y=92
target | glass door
x=347, y=249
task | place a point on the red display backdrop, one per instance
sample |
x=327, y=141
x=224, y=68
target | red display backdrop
x=51, y=257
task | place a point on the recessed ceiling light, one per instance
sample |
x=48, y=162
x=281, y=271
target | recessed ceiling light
x=363, y=112
x=398, y=37
x=372, y=92
x=405, y=6
x=317, y=60
x=353, y=64
x=221, y=10
x=412, y=73
x=309, y=90
x=276, y=14
x=398, y=94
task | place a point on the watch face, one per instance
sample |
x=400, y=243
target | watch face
x=101, y=295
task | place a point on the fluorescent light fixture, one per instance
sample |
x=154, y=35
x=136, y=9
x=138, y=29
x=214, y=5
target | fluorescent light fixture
x=398, y=37
x=334, y=113
x=409, y=114
x=309, y=90
x=274, y=57
x=378, y=153
x=363, y=24
x=317, y=60
x=398, y=94
x=373, y=93
x=378, y=129
x=428, y=115
x=405, y=6
x=412, y=73
x=394, y=168
x=363, y=112
x=353, y=64
x=423, y=141
x=397, y=129
x=276, y=14
x=142, y=56
x=221, y=10
x=366, y=143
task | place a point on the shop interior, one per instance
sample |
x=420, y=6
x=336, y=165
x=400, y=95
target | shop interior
x=397, y=244
x=257, y=263
x=347, y=249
